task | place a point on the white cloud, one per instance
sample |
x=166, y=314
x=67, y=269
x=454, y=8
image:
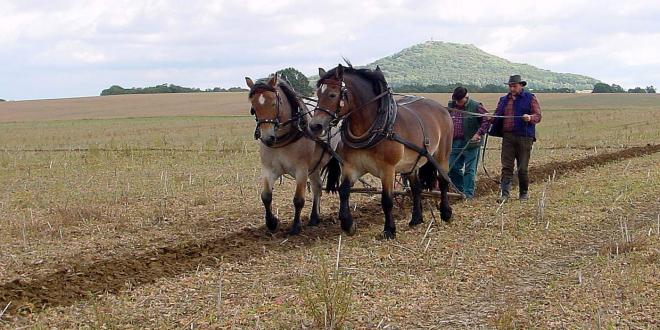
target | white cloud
x=96, y=43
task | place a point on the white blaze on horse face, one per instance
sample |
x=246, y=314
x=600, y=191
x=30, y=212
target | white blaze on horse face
x=323, y=88
x=262, y=99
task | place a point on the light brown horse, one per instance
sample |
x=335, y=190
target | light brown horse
x=284, y=149
x=382, y=139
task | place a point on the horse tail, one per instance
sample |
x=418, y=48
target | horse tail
x=428, y=176
x=333, y=170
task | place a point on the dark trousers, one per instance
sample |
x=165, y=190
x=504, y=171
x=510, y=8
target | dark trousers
x=516, y=149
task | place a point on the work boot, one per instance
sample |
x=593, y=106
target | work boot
x=505, y=191
x=524, y=197
x=524, y=189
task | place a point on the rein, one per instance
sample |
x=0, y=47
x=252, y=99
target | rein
x=476, y=114
x=382, y=128
x=483, y=161
x=298, y=131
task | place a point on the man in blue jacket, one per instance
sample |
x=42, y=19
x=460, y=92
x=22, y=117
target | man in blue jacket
x=518, y=132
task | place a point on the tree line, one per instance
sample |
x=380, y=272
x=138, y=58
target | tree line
x=165, y=89
x=614, y=88
x=297, y=79
x=490, y=88
x=302, y=85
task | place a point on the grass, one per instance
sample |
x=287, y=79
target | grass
x=89, y=192
x=327, y=295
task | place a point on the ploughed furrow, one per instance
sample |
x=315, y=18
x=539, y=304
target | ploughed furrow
x=537, y=174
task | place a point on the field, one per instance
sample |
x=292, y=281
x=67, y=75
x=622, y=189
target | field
x=144, y=211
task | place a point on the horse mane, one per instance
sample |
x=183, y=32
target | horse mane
x=376, y=78
x=290, y=93
x=260, y=86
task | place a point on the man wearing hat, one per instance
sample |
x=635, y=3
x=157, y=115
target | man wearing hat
x=518, y=132
x=468, y=130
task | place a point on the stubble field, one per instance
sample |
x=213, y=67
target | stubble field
x=144, y=211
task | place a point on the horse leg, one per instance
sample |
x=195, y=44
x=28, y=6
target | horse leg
x=298, y=202
x=387, y=201
x=345, y=217
x=445, y=208
x=267, y=199
x=416, y=191
x=442, y=159
x=316, y=203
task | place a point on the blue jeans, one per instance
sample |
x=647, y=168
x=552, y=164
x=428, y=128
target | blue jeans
x=463, y=172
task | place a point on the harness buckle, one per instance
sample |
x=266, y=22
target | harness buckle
x=427, y=141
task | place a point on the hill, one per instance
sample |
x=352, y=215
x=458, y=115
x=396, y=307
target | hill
x=443, y=63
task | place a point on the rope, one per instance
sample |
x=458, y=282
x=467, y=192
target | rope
x=475, y=114
x=483, y=160
x=463, y=111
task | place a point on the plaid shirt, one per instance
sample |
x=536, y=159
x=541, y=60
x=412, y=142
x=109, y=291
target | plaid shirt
x=508, y=111
x=457, y=117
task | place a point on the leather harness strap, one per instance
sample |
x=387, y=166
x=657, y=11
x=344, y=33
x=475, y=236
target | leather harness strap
x=426, y=141
x=383, y=128
x=297, y=117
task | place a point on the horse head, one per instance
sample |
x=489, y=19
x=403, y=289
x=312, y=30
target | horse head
x=270, y=110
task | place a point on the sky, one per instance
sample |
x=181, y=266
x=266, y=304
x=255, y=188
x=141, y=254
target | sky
x=56, y=48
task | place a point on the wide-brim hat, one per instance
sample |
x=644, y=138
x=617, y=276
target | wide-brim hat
x=516, y=79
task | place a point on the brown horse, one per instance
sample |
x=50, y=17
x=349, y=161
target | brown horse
x=281, y=116
x=383, y=139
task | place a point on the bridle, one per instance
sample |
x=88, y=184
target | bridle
x=275, y=120
x=343, y=98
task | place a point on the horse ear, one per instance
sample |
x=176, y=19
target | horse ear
x=273, y=81
x=321, y=72
x=378, y=68
x=340, y=72
x=249, y=82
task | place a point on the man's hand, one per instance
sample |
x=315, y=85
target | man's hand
x=526, y=117
x=476, y=138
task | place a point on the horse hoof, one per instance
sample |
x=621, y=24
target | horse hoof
x=416, y=221
x=348, y=226
x=314, y=221
x=445, y=214
x=294, y=230
x=272, y=224
x=387, y=235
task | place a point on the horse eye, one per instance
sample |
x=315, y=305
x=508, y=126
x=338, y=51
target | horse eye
x=333, y=95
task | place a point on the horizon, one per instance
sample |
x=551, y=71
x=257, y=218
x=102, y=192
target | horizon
x=69, y=49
